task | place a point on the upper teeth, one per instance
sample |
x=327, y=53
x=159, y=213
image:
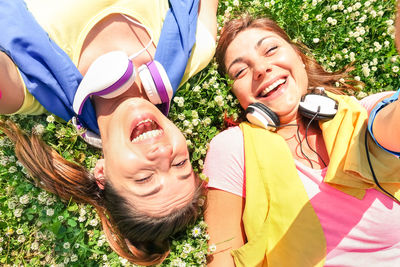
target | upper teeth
x=146, y=135
x=144, y=121
x=272, y=87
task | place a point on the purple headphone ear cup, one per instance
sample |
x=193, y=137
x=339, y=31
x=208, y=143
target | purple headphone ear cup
x=148, y=84
x=156, y=84
x=108, y=76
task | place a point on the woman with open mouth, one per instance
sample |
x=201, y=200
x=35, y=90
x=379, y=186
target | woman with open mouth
x=144, y=189
x=305, y=182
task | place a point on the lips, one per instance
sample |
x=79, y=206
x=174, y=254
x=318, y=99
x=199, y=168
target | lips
x=145, y=129
x=272, y=87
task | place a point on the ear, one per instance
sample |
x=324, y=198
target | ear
x=99, y=173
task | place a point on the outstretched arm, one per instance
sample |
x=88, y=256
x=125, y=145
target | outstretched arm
x=224, y=219
x=11, y=86
x=208, y=15
x=386, y=125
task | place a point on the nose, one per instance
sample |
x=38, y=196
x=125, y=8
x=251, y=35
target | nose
x=260, y=69
x=160, y=152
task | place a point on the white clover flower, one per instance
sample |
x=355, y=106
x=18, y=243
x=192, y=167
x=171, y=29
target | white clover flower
x=66, y=260
x=316, y=40
x=195, y=122
x=50, y=119
x=12, y=169
x=207, y=121
x=359, y=39
x=305, y=17
x=94, y=222
x=18, y=213
x=123, y=261
x=366, y=71
x=196, y=89
x=20, y=231
x=367, y=3
x=66, y=245
x=38, y=129
x=373, y=13
x=236, y=2
x=24, y=199
x=357, y=78
x=219, y=100
x=100, y=242
x=394, y=58
x=188, y=142
x=181, y=116
x=42, y=197
x=35, y=245
x=212, y=248
x=187, y=248
x=50, y=212
x=178, y=263
x=395, y=69
x=318, y=17
x=105, y=258
x=21, y=239
x=11, y=205
x=81, y=219
x=74, y=258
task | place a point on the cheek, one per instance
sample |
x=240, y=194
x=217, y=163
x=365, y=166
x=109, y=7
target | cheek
x=242, y=95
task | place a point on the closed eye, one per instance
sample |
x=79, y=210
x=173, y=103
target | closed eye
x=181, y=163
x=144, y=179
x=237, y=74
x=272, y=49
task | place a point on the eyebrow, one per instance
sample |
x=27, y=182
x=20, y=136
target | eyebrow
x=152, y=192
x=240, y=59
x=185, y=176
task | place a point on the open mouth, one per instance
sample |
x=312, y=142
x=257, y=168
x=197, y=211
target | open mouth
x=145, y=129
x=272, y=88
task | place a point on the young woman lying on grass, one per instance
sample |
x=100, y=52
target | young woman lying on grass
x=144, y=189
x=313, y=180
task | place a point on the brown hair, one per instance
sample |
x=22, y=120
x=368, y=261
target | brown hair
x=317, y=76
x=133, y=235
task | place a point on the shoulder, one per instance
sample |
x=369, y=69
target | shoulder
x=224, y=164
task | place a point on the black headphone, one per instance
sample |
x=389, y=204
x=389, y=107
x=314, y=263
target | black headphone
x=315, y=104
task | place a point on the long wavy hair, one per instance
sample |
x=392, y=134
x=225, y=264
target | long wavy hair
x=140, y=238
x=317, y=75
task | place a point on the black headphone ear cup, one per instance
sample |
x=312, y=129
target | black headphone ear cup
x=261, y=115
x=318, y=106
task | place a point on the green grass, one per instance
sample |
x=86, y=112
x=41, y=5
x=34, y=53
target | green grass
x=36, y=228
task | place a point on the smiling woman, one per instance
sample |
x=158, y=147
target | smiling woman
x=325, y=179
x=144, y=189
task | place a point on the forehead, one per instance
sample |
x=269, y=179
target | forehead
x=248, y=39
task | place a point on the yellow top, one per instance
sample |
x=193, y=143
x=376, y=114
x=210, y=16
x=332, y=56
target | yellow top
x=68, y=22
x=278, y=217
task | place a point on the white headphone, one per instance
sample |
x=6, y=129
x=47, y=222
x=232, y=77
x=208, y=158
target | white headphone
x=315, y=104
x=113, y=73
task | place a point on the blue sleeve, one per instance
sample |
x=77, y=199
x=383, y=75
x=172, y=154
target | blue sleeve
x=375, y=111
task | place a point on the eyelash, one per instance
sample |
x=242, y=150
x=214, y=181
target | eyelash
x=271, y=49
x=266, y=53
x=144, y=180
x=180, y=164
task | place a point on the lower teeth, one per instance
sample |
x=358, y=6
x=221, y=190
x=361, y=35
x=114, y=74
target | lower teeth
x=146, y=135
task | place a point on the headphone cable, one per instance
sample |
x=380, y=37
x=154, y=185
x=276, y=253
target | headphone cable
x=306, y=133
x=373, y=173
